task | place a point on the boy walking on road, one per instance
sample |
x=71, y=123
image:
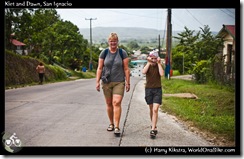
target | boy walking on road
x=153, y=89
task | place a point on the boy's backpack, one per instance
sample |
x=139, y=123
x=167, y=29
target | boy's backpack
x=120, y=52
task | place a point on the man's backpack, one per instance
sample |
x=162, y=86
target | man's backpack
x=120, y=52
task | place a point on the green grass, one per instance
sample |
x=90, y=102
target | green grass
x=88, y=74
x=176, y=73
x=214, y=111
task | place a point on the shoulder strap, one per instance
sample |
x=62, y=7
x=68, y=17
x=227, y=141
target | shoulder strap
x=106, y=52
x=121, y=55
x=120, y=52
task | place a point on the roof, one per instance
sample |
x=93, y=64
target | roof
x=231, y=29
x=138, y=61
x=227, y=29
x=17, y=43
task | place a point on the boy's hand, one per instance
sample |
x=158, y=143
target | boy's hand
x=149, y=59
x=159, y=60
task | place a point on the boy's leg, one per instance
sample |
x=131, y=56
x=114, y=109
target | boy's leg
x=155, y=115
x=157, y=101
x=151, y=111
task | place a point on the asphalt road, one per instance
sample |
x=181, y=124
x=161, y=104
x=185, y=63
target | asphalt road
x=74, y=114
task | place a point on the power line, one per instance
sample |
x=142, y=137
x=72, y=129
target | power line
x=227, y=13
x=194, y=17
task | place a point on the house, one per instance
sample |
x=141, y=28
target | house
x=17, y=46
x=227, y=33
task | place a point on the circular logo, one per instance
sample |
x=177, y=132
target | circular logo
x=11, y=142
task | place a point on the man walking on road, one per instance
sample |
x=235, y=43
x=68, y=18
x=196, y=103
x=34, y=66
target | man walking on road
x=41, y=71
x=153, y=89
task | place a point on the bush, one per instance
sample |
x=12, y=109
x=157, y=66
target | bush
x=201, y=71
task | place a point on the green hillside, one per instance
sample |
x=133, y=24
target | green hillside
x=21, y=70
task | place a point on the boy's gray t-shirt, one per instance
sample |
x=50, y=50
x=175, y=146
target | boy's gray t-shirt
x=117, y=72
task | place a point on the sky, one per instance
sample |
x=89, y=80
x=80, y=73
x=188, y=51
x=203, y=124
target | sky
x=154, y=18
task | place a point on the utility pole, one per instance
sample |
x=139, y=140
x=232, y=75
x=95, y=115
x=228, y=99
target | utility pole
x=168, y=57
x=90, y=63
x=183, y=64
x=159, y=46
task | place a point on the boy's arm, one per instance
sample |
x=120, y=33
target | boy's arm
x=146, y=67
x=160, y=68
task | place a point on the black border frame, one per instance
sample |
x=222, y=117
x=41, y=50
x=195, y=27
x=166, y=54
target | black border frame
x=137, y=151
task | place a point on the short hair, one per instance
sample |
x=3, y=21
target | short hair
x=113, y=36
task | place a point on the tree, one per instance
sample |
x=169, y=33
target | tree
x=133, y=45
x=208, y=46
x=41, y=20
x=145, y=49
x=185, y=49
x=12, y=22
x=196, y=53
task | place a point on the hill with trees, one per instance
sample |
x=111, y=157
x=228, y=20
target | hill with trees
x=126, y=34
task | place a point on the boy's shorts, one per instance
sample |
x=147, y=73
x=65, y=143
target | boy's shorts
x=112, y=88
x=153, y=95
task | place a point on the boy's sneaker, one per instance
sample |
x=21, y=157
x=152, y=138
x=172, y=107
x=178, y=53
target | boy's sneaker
x=117, y=131
x=153, y=133
x=156, y=131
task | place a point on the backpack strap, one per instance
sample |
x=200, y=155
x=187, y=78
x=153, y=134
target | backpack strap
x=106, y=52
x=120, y=53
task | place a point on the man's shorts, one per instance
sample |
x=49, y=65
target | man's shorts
x=112, y=88
x=153, y=95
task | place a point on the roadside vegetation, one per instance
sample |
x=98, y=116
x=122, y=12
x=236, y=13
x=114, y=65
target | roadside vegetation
x=20, y=71
x=213, y=112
